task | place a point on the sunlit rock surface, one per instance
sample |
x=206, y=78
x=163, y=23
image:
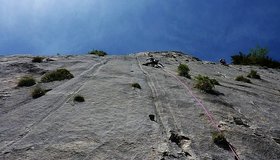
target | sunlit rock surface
x=162, y=120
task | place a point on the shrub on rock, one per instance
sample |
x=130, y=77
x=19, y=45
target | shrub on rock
x=254, y=74
x=79, y=98
x=38, y=92
x=205, y=83
x=37, y=59
x=183, y=70
x=242, y=79
x=214, y=81
x=57, y=75
x=219, y=139
x=98, y=53
x=26, y=81
x=257, y=56
x=136, y=85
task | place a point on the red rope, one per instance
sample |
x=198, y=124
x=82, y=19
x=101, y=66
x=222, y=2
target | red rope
x=208, y=113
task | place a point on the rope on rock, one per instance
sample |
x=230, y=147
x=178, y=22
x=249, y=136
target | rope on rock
x=208, y=113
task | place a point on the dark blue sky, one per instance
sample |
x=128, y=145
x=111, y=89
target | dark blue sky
x=208, y=29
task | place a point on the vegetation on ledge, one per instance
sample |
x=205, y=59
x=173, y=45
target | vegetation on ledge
x=57, y=75
x=98, y=53
x=205, y=83
x=183, y=70
x=257, y=56
x=26, y=81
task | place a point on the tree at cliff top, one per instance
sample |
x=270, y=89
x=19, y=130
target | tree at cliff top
x=257, y=56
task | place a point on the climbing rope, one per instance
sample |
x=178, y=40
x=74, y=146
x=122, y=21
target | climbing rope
x=208, y=113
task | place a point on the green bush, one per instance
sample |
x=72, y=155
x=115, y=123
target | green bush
x=205, y=83
x=37, y=59
x=38, y=92
x=257, y=56
x=136, y=85
x=79, y=98
x=254, y=74
x=183, y=70
x=26, y=81
x=243, y=79
x=219, y=138
x=57, y=75
x=214, y=81
x=98, y=53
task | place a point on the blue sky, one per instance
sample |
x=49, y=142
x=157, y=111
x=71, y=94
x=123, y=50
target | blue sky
x=208, y=29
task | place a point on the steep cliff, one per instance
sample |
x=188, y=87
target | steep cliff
x=168, y=118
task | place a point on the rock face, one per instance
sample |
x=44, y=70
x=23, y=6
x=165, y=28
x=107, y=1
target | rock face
x=166, y=119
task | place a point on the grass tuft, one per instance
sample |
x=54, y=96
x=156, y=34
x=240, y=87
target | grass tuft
x=98, y=53
x=26, y=81
x=205, y=83
x=254, y=74
x=136, y=85
x=242, y=79
x=37, y=59
x=219, y=138
x=57, y=75
x=183, y=70
x=79, y=98
x=38, y=92
x=214, y=81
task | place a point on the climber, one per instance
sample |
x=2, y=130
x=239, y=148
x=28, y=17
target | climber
x=153, y=62
x=223, y=62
